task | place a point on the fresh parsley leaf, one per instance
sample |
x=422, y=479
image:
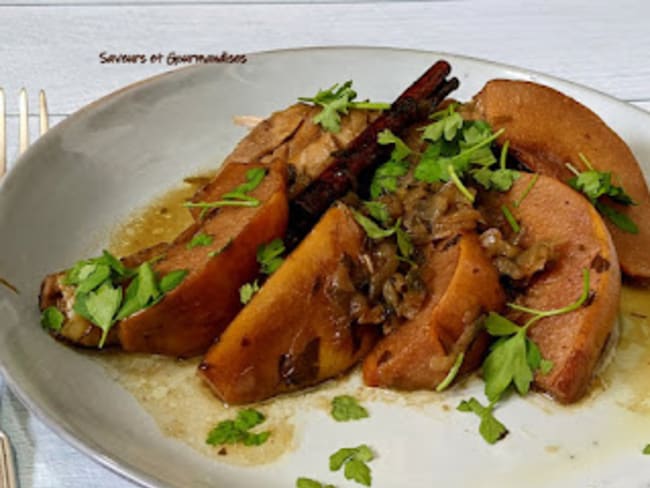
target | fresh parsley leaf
x=91, y=276
x=221, y=249
x=247, y=291
x=498, y=326
x=237, y=197
x=404, y=243
x=361, y=453
x=400, y=150
x=339, y=458
x=172, y=279
x=310, y=483
x=385, y=178
x=490, y=428
x=507, y=364
x=249, y=418
x=254, y=177
x=514, y=225
x=646, y=449
x=358, y=471
x=269, y=256
x=52, y=319
x=621, y=220
x=596, y=184
x=335, y=101
x=200, y=239
x=115, y=264
x=238, y=430
x=377, y=211
x=453, y=372
x=346, y=408
x=372, y=229
x=256, y=439
x=447, y=127
x=545, y=366
x=142, y=292
x=102, y=305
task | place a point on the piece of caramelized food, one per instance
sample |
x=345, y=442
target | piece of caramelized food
x=547, y=130
x=463, y=285
x=297, y=330
x=188, y=319
x=552, y=212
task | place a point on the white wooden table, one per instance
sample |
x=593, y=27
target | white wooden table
x=56, y=44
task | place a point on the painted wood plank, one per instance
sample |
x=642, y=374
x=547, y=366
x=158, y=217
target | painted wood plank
x=58, y=48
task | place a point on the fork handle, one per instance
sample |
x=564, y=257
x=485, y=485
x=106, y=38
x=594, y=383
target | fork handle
x=7, y=468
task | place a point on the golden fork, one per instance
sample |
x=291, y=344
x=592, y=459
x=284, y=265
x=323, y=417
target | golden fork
x=7, y=466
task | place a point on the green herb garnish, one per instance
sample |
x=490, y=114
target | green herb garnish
x=100, y=307
x=269, y=256
x=386, y=175
x=595, y=185
x=354, y=459
x=172, y=279
x=372, y=229
x=526, y=191
x=377, y=211
x=338, y=100
x=453, y=372
x=52, y=319
x=247, y=291
x=200, y=239
x=310, y=483
x=490, y=428
x=346, y=408
x=238, y=197
x=212, y=254
x=500, y=179
x=510, y=219
x=646, y=449
x=238, y=431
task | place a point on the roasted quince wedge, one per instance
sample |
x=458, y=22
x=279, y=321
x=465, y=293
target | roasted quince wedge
x=216, y=256
x=297, y=330
x=463, y=285
x=552, y=212
x=548, y=131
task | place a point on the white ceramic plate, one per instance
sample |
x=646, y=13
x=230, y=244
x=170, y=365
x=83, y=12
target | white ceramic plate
x=92, y=170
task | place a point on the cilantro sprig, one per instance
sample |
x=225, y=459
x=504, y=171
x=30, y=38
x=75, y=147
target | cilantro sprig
x=346, y=408
x=311, y=483
x=238, y=431
x=52, y=319
x=337, y=100
x=596, y=185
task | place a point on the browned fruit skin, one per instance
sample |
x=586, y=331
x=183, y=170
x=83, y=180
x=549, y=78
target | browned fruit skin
x=188, y=319
x=418, y=355
x=292, y=335
x=547, y=129
x=554, y=213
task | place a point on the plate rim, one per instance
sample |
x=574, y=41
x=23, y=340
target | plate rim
x=97, y=453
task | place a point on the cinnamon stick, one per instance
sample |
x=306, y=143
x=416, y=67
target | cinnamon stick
x=364, y=152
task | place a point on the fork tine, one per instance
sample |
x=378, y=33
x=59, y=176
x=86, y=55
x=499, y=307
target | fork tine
x=24, y=123
x=43, y=115
x=3, y=135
